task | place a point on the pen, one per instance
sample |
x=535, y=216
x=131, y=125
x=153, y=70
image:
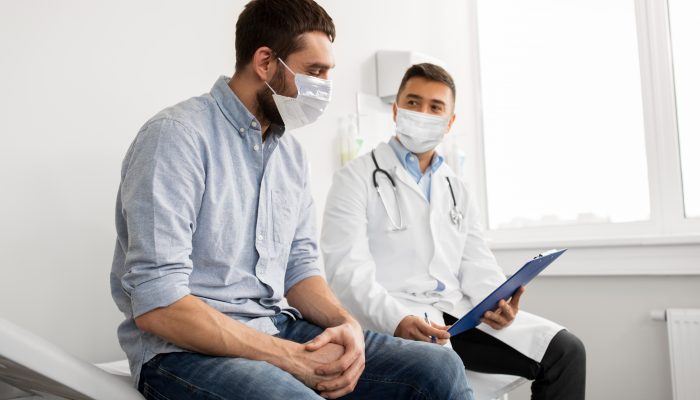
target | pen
x=433, y=339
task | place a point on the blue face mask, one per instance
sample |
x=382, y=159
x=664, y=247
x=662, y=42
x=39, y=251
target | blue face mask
x=313, y=97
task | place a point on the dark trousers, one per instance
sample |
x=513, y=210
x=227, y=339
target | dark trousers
x=560, y=375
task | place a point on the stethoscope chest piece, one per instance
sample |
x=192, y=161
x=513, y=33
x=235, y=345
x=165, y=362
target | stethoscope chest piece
x=456, y=216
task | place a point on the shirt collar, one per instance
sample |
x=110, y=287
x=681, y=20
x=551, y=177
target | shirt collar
x=236, y=113
x=410, y=161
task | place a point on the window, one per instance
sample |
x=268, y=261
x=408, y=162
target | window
x=685, y=31
x=585, y=137
x=562, y=113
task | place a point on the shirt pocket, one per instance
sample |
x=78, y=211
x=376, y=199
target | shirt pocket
x=285, y=216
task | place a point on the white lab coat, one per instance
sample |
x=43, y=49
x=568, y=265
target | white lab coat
x=381, y=275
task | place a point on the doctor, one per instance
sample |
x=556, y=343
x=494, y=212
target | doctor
x=401, y=238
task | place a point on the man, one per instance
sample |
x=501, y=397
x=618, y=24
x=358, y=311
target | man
x=401, y=239
x=215, y=225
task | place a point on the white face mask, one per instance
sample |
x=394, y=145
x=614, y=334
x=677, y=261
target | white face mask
x=313, y=96
x=420, y=132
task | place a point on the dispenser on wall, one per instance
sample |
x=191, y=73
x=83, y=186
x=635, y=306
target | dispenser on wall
x=391, y=65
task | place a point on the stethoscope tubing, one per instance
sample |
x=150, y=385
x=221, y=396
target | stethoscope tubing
x=401, y=226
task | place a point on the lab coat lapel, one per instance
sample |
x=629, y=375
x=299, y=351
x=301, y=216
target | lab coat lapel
x=388, y=158
x=440, y=197
x=401, y=173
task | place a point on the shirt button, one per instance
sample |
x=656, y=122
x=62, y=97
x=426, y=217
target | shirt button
x=256, y=147
x=241, y=130
x=260, y=237
x=254, y=124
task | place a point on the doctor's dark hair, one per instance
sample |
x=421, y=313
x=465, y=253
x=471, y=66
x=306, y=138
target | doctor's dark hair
x=430, y=72
x=277, y=24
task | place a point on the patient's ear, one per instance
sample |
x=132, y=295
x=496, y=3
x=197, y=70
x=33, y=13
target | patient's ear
x=262, y=63
x=394, y=110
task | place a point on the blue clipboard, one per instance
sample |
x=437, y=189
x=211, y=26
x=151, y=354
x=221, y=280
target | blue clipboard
x=524, y=275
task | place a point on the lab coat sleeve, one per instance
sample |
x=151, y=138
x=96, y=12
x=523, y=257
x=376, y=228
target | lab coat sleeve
x=350, y=267
x=160, y=195
x=479, y=273
x=303, y=255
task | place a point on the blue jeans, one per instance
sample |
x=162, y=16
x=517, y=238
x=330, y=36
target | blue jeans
x=395, y=369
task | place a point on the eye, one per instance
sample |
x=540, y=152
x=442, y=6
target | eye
x=314, y=72
x=411, y=102
x=437, y=109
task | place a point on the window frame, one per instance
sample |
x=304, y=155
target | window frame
x=667, y=224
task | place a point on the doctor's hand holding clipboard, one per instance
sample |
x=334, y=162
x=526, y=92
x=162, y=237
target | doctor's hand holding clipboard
x=494, y=310
x=505, y=314
x=422, y=329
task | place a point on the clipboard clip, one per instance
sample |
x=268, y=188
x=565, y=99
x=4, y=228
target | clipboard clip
x=546, y=253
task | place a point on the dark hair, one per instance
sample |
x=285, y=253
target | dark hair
x=430, y=72
x=277, y=24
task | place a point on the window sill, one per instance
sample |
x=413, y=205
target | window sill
x=628, y=241
x=672, y=255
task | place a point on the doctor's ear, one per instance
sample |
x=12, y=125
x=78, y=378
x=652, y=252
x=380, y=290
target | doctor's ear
x=262, y=63
x=394, y=110
x=452, y=121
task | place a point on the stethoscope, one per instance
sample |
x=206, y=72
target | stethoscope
x=394, y=226
x=456, y=215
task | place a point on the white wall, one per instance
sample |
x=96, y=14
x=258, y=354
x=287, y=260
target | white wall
x=627, y=351
x=78, y=78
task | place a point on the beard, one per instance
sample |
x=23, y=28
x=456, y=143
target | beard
x=268, y=108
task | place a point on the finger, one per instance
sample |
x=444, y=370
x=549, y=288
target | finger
x=507, y=312
x=502, y=303
x=438, y=326
x=347, y=380
x=319, y=341
x=340, y=365
x=515, y=301
x=336, y=394
x=417, y=334
x=497, y=318
x=442, y=342
x=428, y=330
x=492, y=324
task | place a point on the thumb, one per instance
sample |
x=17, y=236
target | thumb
x=515, y=301
x=319, y=341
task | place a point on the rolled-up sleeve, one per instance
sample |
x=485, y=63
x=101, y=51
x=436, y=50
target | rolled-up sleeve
x=303, y=255
x=161, y=192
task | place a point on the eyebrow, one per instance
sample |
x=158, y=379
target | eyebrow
x=417, y=97
x=320, y=66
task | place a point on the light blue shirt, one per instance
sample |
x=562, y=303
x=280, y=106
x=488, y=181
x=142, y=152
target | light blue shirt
x=410, y=163
x=206, y=208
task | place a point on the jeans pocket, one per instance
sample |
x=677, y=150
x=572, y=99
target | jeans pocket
x=151, y=393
